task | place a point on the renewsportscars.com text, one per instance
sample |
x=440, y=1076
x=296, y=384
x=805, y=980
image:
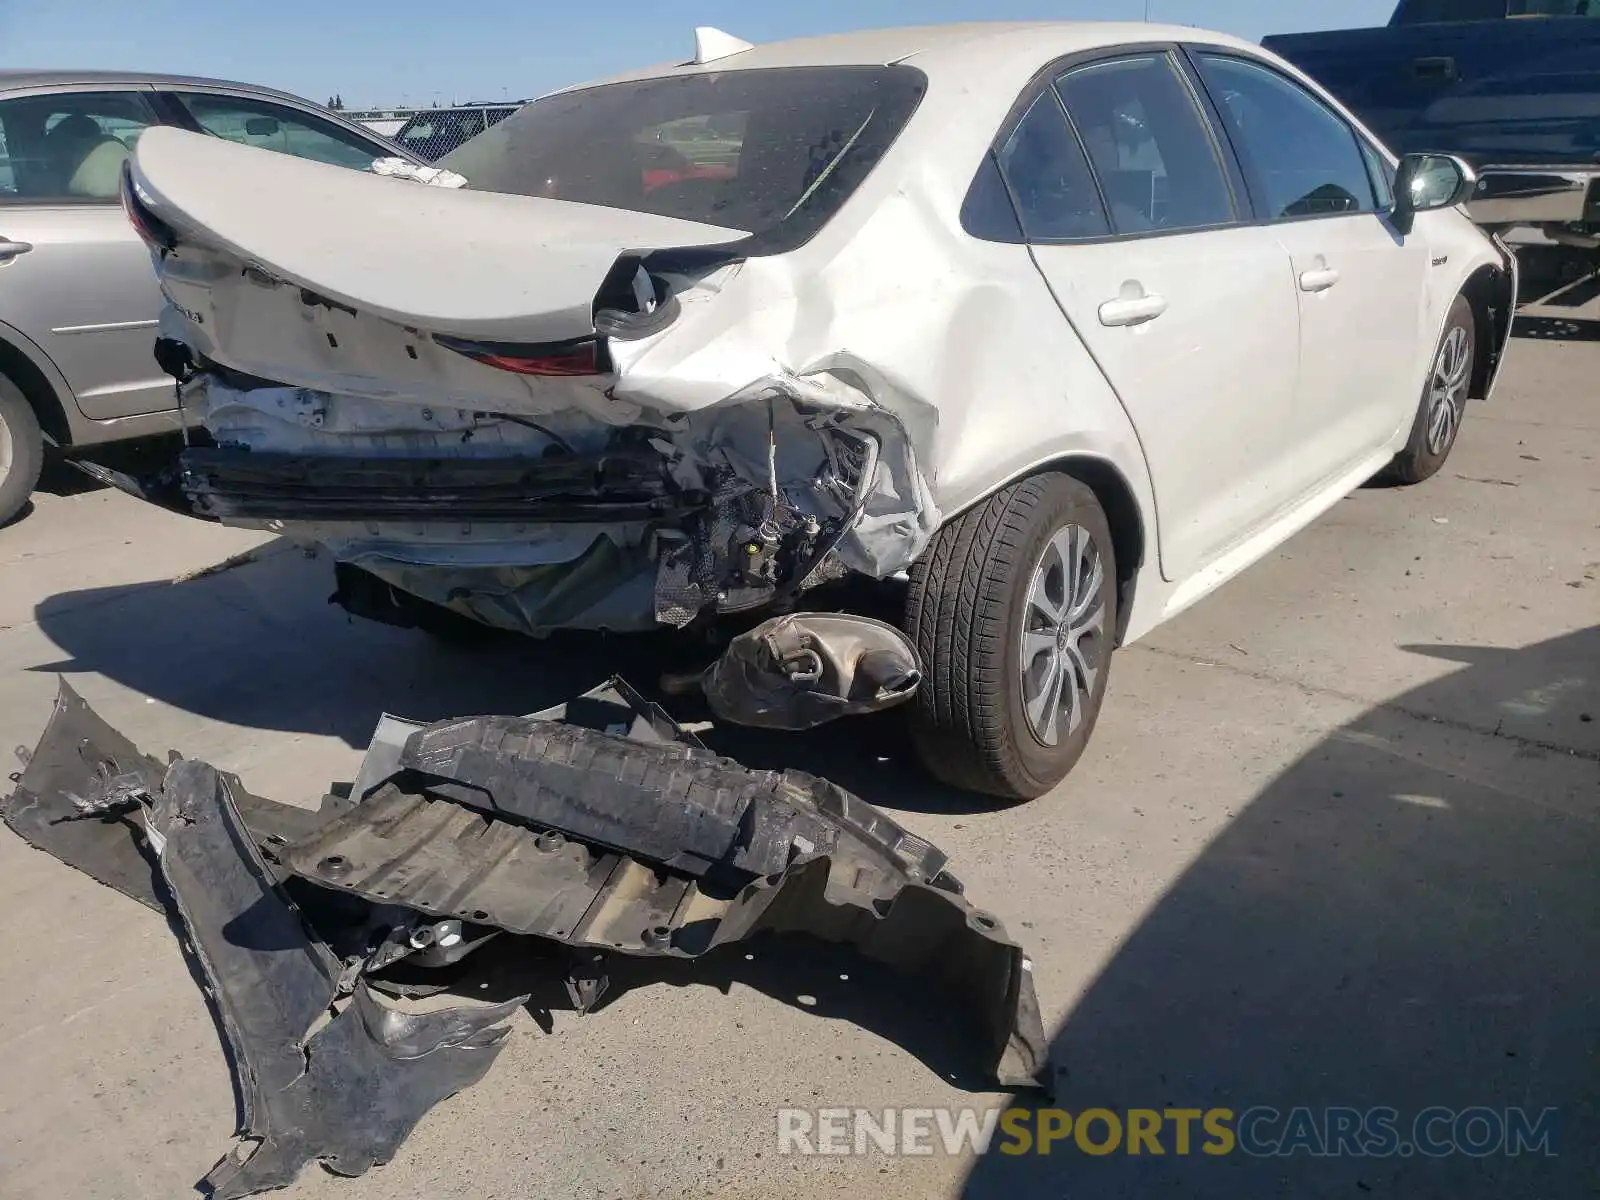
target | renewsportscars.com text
x=1260, y=1131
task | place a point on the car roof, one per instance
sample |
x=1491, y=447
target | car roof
x=16, y=79
x=977, y=46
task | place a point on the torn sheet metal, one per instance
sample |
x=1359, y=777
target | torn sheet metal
x=801, y=670
x=390, y=418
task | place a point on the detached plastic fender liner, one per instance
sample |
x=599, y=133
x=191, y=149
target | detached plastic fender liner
x=346, y=1096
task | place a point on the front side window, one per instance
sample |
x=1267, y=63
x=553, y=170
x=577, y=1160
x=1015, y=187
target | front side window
x=774, y=151
x=252, y=122
x=1151, y=149
x=68, y=146
x=1303, y=159
x=1381, y=174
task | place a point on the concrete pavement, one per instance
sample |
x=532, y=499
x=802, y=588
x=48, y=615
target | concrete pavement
x=1334, y=843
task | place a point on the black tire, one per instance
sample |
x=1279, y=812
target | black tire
x=21, y=434
x=1422, y=459
x=966, y=614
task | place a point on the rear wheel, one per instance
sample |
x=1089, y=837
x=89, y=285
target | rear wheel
x=1013, y=610
x=1444, y=400
x=21, y=450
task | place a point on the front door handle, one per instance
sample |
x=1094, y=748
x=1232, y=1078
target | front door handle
x=1319, y=280
x=1132, y=310
x=10, y=249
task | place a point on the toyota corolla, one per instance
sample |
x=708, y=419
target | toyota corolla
x=1068, y=323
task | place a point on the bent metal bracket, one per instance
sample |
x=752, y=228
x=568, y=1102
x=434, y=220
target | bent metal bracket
x=597, y=828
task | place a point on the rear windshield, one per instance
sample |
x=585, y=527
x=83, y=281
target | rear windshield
x=770, y=152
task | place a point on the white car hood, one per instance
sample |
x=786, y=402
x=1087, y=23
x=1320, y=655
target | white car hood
x=476, y=264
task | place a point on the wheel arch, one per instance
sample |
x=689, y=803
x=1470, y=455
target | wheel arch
x=41, y=386
x=1492, y=292
x=1130, y=540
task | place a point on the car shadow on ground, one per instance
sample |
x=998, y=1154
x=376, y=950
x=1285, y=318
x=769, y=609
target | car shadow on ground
x=1409, y=916
x=61, y=478
x=1384, y=925
x=259, y=645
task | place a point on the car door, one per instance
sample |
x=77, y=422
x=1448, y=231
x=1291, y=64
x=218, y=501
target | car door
x=1131, y=215
x=74, y=277
x=270, y=125
x=1359, y=281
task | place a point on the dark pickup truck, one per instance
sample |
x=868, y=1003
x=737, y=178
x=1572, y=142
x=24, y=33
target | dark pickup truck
x=1511, y=86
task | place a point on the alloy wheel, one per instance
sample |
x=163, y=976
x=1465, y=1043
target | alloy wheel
x=1063, y=644
x=1447, y=388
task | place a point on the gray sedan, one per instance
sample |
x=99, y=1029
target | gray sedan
x=78, y=299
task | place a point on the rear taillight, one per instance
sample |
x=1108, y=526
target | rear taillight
x=579, y=357
x=154, y=231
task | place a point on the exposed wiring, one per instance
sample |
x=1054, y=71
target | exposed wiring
x=549, y=433
x=772, y=453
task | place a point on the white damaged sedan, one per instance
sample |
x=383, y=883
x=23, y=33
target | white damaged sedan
x=1071, y=322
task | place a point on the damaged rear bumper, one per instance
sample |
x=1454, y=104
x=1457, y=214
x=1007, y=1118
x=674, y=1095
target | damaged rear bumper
x=233, y=484
x=558, y=521
x=601, y=826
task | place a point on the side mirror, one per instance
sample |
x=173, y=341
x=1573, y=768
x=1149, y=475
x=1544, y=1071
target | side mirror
x=261, y=126
x=1425, y=182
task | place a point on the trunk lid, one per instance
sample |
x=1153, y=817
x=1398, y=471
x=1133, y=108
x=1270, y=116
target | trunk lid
x=476, y=265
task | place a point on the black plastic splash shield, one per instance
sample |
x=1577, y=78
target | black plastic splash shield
x=594, y=872
x=670, y=803
x=78, y=763
x=347, y=1095
x=350, y=1093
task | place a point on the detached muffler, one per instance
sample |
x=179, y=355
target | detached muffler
x=802, y=670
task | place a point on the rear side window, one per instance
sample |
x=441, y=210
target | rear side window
x=1151, y=149
x=253, y=122
x=1049, y=177
x=772, y=152
x=1303, y=160
x=68, y=146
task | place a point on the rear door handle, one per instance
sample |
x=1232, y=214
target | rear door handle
x=1133, y=310
x=10, y=249
x=1319, y=280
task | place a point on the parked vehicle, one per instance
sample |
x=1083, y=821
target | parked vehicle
x=1072, y=322
x=78, y=301
x=435, y=132
x=1511, y=86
